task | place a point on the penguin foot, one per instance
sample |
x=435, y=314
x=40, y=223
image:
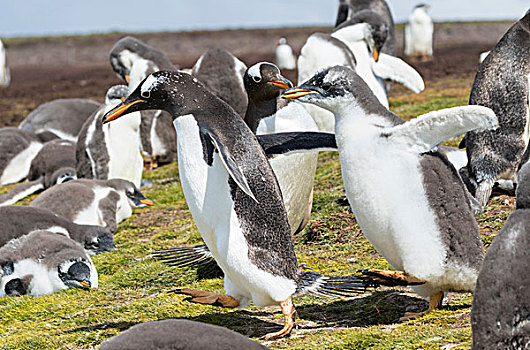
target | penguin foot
x=289, y=313
x=393, y=278
x=208, y=298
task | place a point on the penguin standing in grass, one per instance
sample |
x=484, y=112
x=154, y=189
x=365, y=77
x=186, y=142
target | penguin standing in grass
x=407, y=198
x=418, y=34
x=234, y=199
x=5, y=76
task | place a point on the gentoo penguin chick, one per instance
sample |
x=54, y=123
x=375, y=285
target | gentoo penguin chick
x=234, y=199
x=284, y=55
x=499, y=316
x=43, y=262
x=54, y=164
x=134, y=60
x=99, y=155
x=347, y=8
x=179, y=334
x=222, y=73
x=62, y=117
x=267, y=113
x=93, y=202
x=18, y=221
x=418, y=34
x=17, y=150
x=496, y=154
x=432, y=237
x=5, y=76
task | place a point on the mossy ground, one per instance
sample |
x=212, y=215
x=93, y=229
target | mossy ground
x=132, y=286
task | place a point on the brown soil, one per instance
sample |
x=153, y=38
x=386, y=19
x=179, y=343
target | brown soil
x=44, y=69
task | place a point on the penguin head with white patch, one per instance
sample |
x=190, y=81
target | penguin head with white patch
x=74, y=273
x=135, y=198
x=374, y=30
x=62, y=175
x=116, y=94
x=263, y=81
x=123, y=55
x=423, y=6
x=97, y=239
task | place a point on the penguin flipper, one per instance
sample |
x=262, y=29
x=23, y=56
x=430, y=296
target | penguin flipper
x=428, y=130
x=395, y=69
x=296, y=142
x=21, y=191
x=231, y=165
x=195, y=256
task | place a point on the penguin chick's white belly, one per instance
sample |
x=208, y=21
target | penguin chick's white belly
x=18, y=167
x=40, y=283
x=384, y=186
x=207, y=193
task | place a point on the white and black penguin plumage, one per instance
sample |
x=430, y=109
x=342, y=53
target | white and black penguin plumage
x=18, y=221
x=419, y=34
x=54, y=164
x=434, y=238
x=267, y=113
x=93, y=202
x=284, y=56
x=501, y=301
x=17, y=150
x=63, y=117
x=5, y=74
x=43, y=262
x=222, y=73
x=99, y=154
x=134, y=60
x=233, y=196
x=502, y=83
x=179, y=334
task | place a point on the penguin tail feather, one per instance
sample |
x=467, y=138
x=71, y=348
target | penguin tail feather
x=333, y=287
x=195, y=256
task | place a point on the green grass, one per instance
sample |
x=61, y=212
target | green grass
x=132, y=286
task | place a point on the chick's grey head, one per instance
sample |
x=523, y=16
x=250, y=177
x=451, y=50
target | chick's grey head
x=263, y=81
x=98, y=240
x=135, y=197
x=122, y=56
x=115, y=94
x=75, y=273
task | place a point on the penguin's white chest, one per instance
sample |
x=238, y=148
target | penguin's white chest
x=207, y=193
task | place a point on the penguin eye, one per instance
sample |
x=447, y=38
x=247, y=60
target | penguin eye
x=145, y=94
x=326, y=87
x=256, y=79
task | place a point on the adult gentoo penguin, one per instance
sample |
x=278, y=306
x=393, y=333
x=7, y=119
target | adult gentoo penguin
x=98, y=153
x=43, y=262
x=222, y=73
x=17, y=150
x=433, y=238
x=496, y=154
x=284, y=56
x=62, y=117
x=21, y=220
x=133, y=60
x=418, y=34
x=93, y=202
x=234, y=198
x=348, y=8
x=499, y=316
x=54, y=164
x=179, y=334
x=5, y=76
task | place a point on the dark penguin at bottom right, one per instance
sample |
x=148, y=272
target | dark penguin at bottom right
x=500, y=316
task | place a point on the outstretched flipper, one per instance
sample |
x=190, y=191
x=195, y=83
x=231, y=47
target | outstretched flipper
x=21, y=191
x=396, y=70
x=185, y=256
x=428, y=130
x=296, y=142
x=332, y=287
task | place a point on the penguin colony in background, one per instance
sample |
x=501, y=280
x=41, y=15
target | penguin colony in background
x=248, y=190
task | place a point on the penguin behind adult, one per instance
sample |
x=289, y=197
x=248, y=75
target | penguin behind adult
x=43, y=262
x=501, y=301
x=179, y=334
x=63, y=117
x=98, y=153
x=18, y=221
x=348, y=8
x=234, y=198
x=222, y=73
x=284, y=56
x=502, y=83
x=17, y=150
x=407, y=198
x=419, y=32
x=5, y=76
x=54, y=164
x=93, y=202
x=133, y=60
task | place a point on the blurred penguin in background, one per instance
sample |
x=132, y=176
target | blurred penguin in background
x=5, y=77
x=284, y=55
x=418, y=34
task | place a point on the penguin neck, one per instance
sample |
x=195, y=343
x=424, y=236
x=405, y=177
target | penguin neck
x=258, y=110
